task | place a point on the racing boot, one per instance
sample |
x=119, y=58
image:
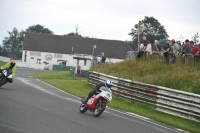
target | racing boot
x=86, y=100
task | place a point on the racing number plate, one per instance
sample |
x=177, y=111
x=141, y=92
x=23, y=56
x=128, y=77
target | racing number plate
x=107, y=94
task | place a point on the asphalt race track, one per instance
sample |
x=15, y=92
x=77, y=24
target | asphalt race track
x=31, y=106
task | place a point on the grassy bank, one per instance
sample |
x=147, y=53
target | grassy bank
x=1, y=63
x=80, y=87
x=176, y=76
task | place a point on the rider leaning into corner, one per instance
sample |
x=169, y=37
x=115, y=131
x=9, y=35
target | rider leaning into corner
x=12, y=66
x=107, y=84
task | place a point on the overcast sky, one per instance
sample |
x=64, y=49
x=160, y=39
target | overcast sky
x=105, y=19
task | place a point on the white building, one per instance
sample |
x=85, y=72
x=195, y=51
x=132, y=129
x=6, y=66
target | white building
x=41, y=49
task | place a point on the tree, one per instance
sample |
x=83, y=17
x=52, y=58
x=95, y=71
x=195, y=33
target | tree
x=195, y=38
x=153, y=30
x=73, y=34
x=133, y=45
x=12, y=45
x=39, y=29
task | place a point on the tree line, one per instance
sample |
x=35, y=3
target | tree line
x=13, y=43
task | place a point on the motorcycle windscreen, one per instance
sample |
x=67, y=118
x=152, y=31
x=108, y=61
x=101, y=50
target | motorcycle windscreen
x=92, y=102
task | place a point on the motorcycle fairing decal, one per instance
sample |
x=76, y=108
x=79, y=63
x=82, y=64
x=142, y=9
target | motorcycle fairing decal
x=10, y=76
x=90, y=101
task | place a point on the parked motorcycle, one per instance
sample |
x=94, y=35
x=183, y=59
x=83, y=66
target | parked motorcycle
x=6, y=74
x=97, y=103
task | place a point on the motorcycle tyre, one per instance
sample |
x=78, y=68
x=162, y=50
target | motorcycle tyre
x=101, y=111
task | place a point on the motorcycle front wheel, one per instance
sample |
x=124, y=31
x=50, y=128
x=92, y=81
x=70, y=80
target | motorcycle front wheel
x=99, y=110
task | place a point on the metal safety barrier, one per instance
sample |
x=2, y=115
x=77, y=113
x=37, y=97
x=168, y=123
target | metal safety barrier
x=179, y=103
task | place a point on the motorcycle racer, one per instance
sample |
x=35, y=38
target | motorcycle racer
x=107, y=84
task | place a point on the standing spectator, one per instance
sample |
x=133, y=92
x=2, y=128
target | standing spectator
x=103, y=59
x=195, y=48
x=166, y=53
x=126, y=57
x=183, y=48
x=149, y=49
x=99, y=59
x=144, y=42
x=188, y=48
x=158, y=46
x=167, y=50
x=175, y=49
x=141, y=50
x=154, y=47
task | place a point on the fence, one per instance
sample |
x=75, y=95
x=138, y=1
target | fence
x=163, y=99
x=62, y=68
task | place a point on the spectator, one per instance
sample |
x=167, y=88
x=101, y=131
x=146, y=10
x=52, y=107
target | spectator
x=158, y=46
x=149, y=49
x=141, y=50
x=166, y=53
x=103, y=59
x=175, y=49
x=144, y=40
x=183, y=48
x=99, y=59
x=195, y=48
x=154, y=46
x=188, y=48
x=126, y=57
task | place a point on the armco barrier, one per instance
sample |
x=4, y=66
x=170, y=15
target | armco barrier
x=62, y=68
x=179, y=103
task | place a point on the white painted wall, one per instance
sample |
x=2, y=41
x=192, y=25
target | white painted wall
x=69, y=57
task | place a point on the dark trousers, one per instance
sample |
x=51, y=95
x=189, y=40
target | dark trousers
x=140, y=54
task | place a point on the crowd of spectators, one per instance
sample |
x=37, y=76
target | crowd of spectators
x=98, y=59
x=173, y=49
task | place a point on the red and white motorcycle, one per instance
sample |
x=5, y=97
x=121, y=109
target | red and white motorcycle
x=97, y=103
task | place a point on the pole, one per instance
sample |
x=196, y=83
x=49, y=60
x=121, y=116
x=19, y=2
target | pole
x=138, y=35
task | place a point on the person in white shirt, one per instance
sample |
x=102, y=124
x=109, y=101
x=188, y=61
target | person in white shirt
x=141, y=50
x=149, y=49
x=141, y=46
x=99, y=59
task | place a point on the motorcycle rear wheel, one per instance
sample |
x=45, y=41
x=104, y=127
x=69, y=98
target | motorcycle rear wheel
x=83, y=108
x=98, y=111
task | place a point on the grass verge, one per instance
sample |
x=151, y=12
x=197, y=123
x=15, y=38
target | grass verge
x=80, y=87
x=177, y=76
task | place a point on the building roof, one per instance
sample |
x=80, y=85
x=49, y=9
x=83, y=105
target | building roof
x=70, y=45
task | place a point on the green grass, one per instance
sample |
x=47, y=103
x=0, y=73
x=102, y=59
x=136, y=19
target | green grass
x=2, y=63
x=176, y=76
x=80, y=87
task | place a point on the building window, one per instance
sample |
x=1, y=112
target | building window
x=58, y=55
x=35, y=53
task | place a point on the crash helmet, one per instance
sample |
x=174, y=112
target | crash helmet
x=108, y=83
x=12, y=63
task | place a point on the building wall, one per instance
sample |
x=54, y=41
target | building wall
x=37, y=59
